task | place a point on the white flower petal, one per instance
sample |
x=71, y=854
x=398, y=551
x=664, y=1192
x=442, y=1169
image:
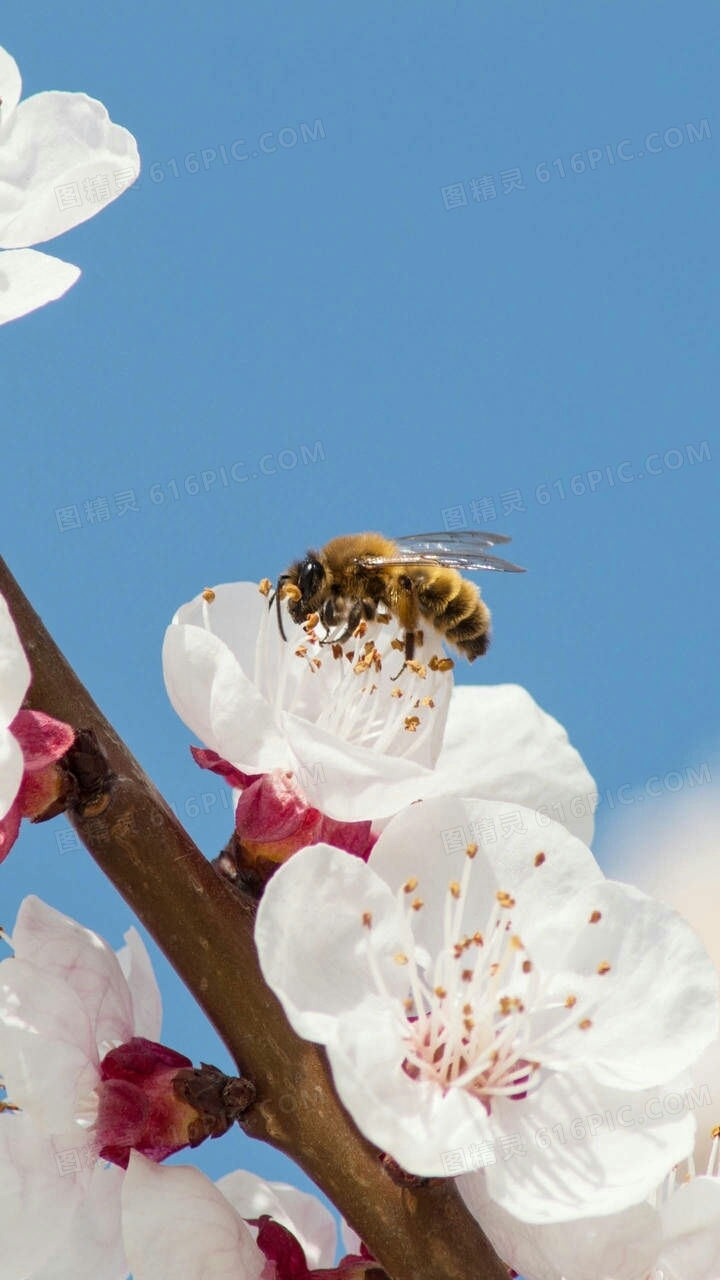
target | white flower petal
x=93, y=1245
x=622, y=1246
x=705, y=1090
x=15, y=677
x=357, y=784
x=11, y=770
x=661, y=1001
x=235, y=618
x=61, y=948
x=500, y=744
x=177, y=1223
x=351, y=1240
x=144, y=991
x=15, y=671
x=10, y=85
x=304, y=1215
x=37, y=1204
x=415, y=844
x=48, y=1055
x=216, y=699
x=311, y=942
x=691, y=1229
x=626, y=1143
x=29, y=280
x=51, y=142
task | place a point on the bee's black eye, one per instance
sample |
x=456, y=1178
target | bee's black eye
x=311, y=577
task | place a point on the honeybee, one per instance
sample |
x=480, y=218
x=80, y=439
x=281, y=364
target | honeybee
x=411, y=578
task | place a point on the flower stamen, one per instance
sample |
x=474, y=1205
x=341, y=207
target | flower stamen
x=470, y=1026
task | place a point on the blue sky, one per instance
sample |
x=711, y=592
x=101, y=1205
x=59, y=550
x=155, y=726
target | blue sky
x=351, y=331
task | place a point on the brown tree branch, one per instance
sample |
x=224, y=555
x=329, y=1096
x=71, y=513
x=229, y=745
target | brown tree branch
x=206, y=932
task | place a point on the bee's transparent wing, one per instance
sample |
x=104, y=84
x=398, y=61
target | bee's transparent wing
x=463, y=549
x=461, y=541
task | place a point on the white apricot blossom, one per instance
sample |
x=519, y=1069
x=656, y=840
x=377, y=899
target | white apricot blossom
x=65, y=1002
x=62, y=160
x=65, y=999
x=362, y=735
x=477, y=996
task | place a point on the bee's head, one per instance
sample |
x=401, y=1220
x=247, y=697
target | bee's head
x=308, y=577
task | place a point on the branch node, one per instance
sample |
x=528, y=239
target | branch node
x=90, y=777
x=247, y=876
x=219, y=1100
x=400, y=1176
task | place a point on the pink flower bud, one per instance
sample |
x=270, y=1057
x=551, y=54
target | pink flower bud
x=43, y=741
x=152, y=1100
x=273, y=819
x=138, y=1107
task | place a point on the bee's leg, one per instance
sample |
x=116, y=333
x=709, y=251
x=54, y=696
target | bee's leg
x=361, y=610
x=407, y=614
x=328, y=618
x=353, y=618
x=327, y=613
x=409, y=653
